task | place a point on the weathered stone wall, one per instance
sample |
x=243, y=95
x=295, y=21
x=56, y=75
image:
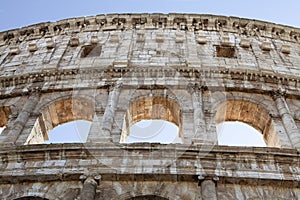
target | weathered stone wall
x=60, y=171
x=213, y=68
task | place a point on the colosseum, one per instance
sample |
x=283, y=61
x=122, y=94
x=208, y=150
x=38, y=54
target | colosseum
x=191, y=70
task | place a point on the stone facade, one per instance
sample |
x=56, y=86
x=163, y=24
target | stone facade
x=114, y=70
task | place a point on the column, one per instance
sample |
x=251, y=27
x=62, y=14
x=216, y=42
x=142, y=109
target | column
x=88, y=191
x=109, y=113
x=199, y=121
x=208, y=188
x=287, y=120
x=19, y=123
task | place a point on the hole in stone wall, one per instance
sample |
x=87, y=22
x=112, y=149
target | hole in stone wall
x=239, y=134
x=226, y=52
x=31, y=198
x=2, y=129
x=154, y=131
x=148, y=197
x=58, y=114
x=91, y=51
x=4, y=117
x=251, y=114
x=70, y=132
x=152, y=119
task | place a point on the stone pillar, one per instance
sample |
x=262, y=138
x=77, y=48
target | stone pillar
x=208, y=188
x=88, y=191
x=108, y=117
x=211, y=135
x=22, y=118
x=287, y=120
x=192, y=54
x=96, y=128
x=199, y=121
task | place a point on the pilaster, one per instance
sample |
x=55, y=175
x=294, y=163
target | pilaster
x=20, y=122
x=287, y=119
x=88, y=191
x=208, y=187
x=95, y=135
x=109, y=113
x=199, y=121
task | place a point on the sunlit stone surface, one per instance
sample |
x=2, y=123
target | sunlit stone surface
x=113, y=71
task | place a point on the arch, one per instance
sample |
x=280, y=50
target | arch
x=4, y=115
x=31, y=198
x=239, y=134
x=164, y=194
x=250, y=113
x=151, y=108
x=48, y=100
x=5, y=112
x=263, y=100
x=59, y=112
x=145, y=91
x=148, y=197
x=75, y=131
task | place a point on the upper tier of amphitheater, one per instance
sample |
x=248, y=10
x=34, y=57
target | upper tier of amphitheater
x=228, y=47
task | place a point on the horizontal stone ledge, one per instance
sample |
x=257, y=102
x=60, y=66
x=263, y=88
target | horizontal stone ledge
x=146, y=146
x=123, y=22
x=67, y=162
x=76, y=176
x=126, y=74
x=254, y=87
x=89, y=151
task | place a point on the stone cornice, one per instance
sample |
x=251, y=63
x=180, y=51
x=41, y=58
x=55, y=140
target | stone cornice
x=187, y=22
x=230, y=164
x=199, y=76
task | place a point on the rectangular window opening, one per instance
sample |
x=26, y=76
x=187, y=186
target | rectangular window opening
x=225, y=51
x=91, y=51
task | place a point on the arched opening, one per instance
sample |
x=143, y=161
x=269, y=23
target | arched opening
x=63, y=116
x=73, y=132
x=239, y=134
x=148, y=197
x=251, y=114
x=31, y=198
x=152, y=119
x=4, y=116
x=2, y=129
x=154, y=131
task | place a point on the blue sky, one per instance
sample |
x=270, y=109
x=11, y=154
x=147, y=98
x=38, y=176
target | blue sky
x=19, y=13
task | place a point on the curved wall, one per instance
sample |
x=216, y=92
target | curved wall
x=200, y=62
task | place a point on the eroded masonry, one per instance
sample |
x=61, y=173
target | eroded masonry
x=194, y=71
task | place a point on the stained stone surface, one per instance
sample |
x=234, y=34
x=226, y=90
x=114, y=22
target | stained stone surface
x=114, y=70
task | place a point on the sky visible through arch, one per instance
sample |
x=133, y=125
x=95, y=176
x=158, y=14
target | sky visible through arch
x=20, y=13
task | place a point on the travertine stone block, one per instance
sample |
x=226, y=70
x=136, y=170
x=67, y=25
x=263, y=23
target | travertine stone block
x=159, y=38
x=245, y=42
x=74, y=42
x=32, y=47
x=286, y=49
x=94, y=39
x=266, y=46
x=202, y=39
x=225, y=41
x=114, y=38
x=50, y=44
x=14, y=50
